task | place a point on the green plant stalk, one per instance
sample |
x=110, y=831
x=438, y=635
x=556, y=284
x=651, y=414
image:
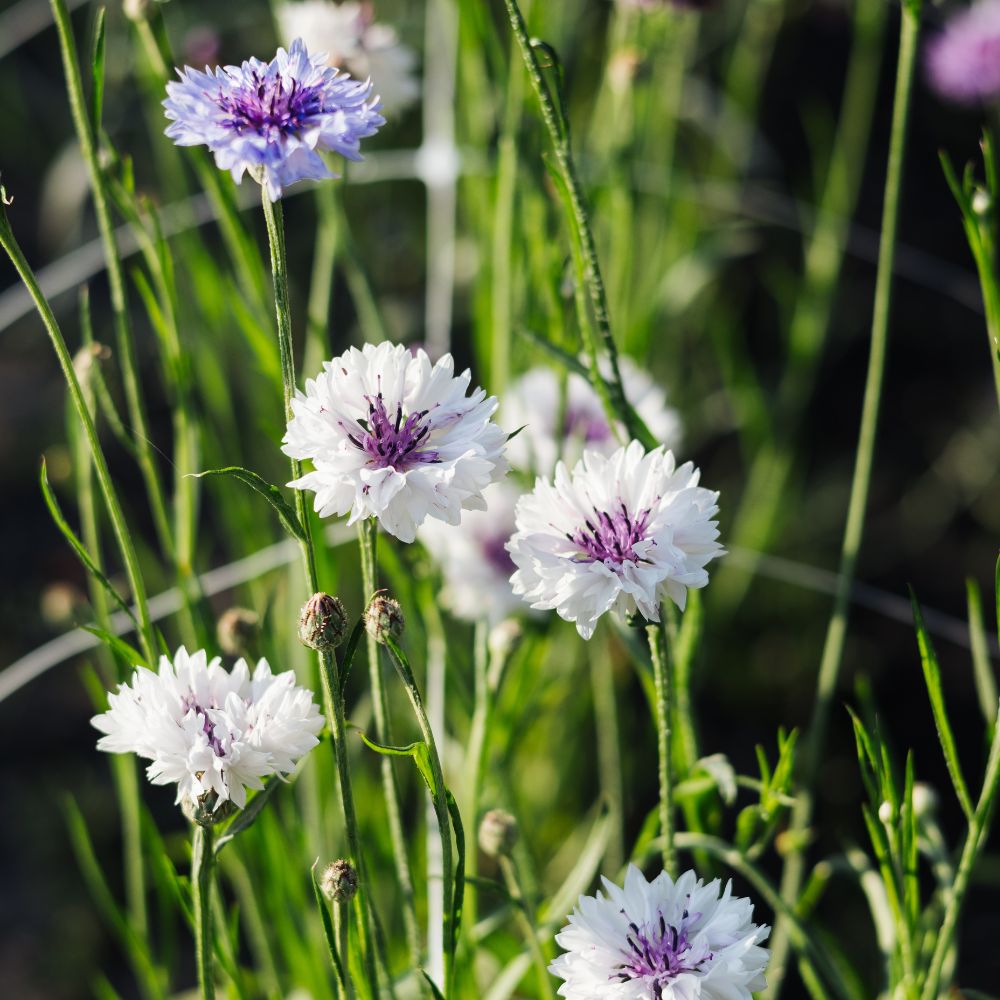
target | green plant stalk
x=527, y=923
x=333, y=699
x=475, y=759
x=368, y=542
x=202, y=861
x=116, y=282
x=598, y=336
x=663, y=684
x=440, y=805
x=321, y=283
x=833, y=649
x=609, y=760
x=975, y=841
x=341, y=927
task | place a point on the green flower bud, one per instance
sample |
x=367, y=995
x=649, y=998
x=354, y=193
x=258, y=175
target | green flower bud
x=323, y=623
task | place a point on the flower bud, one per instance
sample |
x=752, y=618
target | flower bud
x=885, y=813
x=237, y=631
x=323, y=623
x=503, y=638
x=925, y=800
x=136, y=10
x=981, y=202
x=384, y=618
x=339, y=881
x=498, y=833
x=206, y=809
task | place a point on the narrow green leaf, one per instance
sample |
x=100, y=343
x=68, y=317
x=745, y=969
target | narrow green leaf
x=268, y=491
x=458, y=889
x=246, y=817
x=435, y=992
x=78, y=547
x=328, y=931
x=97, y=72
x=582, y=873
x=932, y=679
x=986, y=685
x=127, y=652
x=418, y=751
x=350, y=649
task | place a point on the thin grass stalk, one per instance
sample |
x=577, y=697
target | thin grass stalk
x=325, y=248
x=116, y=281
x=598, y=336
x=609, y=758
x=475, y=759
x=202, y=863
x=833, y=648
x=333, y=699
x=341, y=930
x=663, y=685
x=368, y=543
x=440, y=806
x=527, y=923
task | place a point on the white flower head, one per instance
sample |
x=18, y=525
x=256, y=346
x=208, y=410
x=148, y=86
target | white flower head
x=662, y=940
x=393, y=437
x=210, y=730
x=474, y=560
x=352, y=39
x=558, y=425
x=620, y=533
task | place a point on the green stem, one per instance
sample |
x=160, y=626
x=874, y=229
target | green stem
x=440, y=796
x=833, y=648
x=333, y=699
x=116, y=281
x=368, y=541
x=598, y=334
x=975, y=841
x=202, y=860
x=609, y=760
x=479, y=729
x=341, y=928
x=663, y=682
x=526, y=921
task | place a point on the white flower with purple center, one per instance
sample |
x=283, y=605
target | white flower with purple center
x=353, y=40
x=620, y=533
x=662, y=940
x=273, y=119
x=963, y=61
x=210, y=730
x=474, y=560
x=393, y=437
x=561, y=425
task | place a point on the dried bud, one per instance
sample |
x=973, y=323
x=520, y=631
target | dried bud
x=237, y=631
x=498, y=833
x=323, y=623
x=384, y=618
x=339, y=882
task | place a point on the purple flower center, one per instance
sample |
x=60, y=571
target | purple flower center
x=660, y=952
x=269, y=105
x=592, y=427
x=495, y=551
x=392, y=440
x=208, y=727
x=610, y=538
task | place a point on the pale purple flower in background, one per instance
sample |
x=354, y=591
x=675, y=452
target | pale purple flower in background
x=621, y=533
x=963, y=60
x=210, y=730
x=561, y=427
x=393, y=437
x=354, y=41
x=662, y=940
x=474, y=560
x=653, y=4
x=272, y=120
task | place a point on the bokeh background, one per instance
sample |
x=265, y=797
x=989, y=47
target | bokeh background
x=704, y=257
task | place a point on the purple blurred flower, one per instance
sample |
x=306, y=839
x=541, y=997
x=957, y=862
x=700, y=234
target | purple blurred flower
x=272, y=119
x=963, y=61
x=652, y=4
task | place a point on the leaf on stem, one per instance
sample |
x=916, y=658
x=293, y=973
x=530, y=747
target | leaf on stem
x=417, y=750
x=268, y=491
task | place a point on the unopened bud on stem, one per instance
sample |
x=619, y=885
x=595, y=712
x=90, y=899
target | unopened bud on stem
x=323, y=623
x=237, y=630
x=384, y=618
x=339, y=882
x=498, y=833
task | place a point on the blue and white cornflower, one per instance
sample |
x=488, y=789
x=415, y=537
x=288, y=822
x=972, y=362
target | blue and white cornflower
x=272, y=120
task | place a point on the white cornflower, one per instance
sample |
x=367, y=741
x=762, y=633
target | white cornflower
x=621, y=533
x=474, y=560
x=347, y=32
x=558, y=426
x=209, y=730
x=662, y=940
x=392, y=437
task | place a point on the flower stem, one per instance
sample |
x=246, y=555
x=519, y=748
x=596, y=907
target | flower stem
x=526, y=921
x=368, y=542
x=663, y=681
x=833, y=647
x=598, y=334
x=440, y=795
x=333, y=698
x=202, y=860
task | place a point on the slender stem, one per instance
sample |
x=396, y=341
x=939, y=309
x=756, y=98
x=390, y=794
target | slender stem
x=368, y=540
x=598, y=334
x=341, y=928
x=202, y=860
x=833, y=648
x=440, y=804
x=478, y=745
x=116, y=281
x=609, y=759
x=663, y=681
x=333, y=699
x=526, y=921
